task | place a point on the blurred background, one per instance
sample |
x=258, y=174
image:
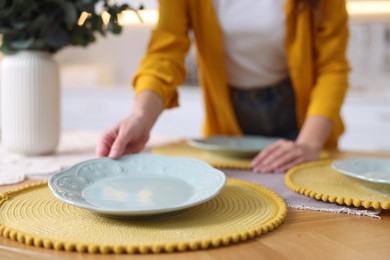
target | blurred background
x=113, y=60
x=96, y=80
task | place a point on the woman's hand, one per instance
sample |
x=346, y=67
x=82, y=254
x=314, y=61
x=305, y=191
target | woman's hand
x=131, y=134
x=283, y=155
x=128, y=136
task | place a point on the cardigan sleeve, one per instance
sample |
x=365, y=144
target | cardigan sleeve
x=162, y=69
x=331, y=66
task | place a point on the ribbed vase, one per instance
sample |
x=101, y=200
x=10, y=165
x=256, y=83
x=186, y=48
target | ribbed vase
x=30, y=103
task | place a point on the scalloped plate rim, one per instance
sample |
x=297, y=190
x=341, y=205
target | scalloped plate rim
x=117, y=212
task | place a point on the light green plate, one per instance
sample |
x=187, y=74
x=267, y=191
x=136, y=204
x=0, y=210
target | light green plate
x=137, y=185
x=240, y=146
x=369, y=169
x=374, y=172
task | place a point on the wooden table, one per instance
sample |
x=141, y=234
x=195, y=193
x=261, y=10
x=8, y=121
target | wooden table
x=303, y=235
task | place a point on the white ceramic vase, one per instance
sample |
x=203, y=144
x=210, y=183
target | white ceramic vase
x=30, y=103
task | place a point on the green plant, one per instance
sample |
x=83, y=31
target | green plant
x=49, y=25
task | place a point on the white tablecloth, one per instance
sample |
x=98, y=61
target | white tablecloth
x=74, y=147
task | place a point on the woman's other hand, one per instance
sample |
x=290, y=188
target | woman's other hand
x=282, y=155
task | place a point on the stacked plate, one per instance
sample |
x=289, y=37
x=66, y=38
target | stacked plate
x=372, y=172
x=137, y=185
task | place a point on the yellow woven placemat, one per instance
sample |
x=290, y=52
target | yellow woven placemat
x=243, y=210
x=318, y=180
x=220, y=161
x=213, y=158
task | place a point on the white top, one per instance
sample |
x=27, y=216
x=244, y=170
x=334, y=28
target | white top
x=254, y=33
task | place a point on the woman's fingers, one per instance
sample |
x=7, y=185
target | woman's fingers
x=118, y=148
x=273, y=157
x=122, y=141
x=291, y=164
x=283, y=156
x=129, y=136
x=263, y=155
x=105, y=142
x=283, y=148
x=285, y=159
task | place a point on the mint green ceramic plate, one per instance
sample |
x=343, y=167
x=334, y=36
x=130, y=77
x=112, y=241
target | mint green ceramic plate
x=137, y=185
x=240, y=146
x=375, y=170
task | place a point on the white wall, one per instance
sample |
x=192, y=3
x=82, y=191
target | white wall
x=369, y=55
x=111, y=60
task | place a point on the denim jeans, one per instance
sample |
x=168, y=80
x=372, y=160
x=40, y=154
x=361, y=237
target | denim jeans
x=268, y=111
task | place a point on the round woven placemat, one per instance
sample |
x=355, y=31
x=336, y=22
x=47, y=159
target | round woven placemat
x=219, y=161
x=318, y=180
x=32, y=215
x=213, y=158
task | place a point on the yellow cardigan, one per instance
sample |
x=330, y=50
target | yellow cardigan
x=315, y=45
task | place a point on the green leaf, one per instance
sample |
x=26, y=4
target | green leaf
x=4, y=47
x=39, y=45
x=21, y=44
x=114, y=27
x=124, y=8
x=77, y=36
x=8, y=11
x=71, y=15
x=86, y=6
x=86, y=2
x=3, y=3
x=58, y=39
x=38, y=24
x=96, y=23
x=8, y=31
x=19, y=24
x=50, y=25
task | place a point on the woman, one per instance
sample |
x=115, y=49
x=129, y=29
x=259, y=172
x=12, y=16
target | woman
x=268, y=67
